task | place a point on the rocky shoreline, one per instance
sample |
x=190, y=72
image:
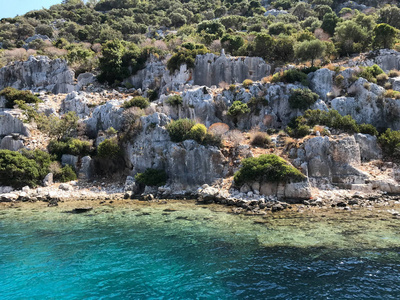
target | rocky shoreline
x=238, y=203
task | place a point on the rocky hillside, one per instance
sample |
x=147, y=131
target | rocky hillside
x=180, y=116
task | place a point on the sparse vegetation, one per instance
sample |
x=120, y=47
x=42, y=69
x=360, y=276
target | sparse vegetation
x=137, y=101
x=266, y=168
x=152, y=177
x=12, y=94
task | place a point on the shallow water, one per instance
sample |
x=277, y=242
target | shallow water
x=184, y=251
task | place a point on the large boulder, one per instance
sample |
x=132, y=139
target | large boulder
x=76, y=102
x=12, y=143
x=105, y=116
x=334, y=160
x=369, y=148
x=10, y=122
x=38, y=73
x=187, y=164
x=321, y=82
x=211, y=69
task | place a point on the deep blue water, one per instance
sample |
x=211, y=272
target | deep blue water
x=180, y=255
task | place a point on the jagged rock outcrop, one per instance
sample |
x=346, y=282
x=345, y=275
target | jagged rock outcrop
x=211, y=69
x=385, y=58
x=331, y=160
x=84, y=79
x=369, y=148
x=155, y=75
x=12, y=143
x=105, y=116
x=76, y=102
x=10, y=122
x=368, y=105
x=187, y=164
x=321, y=82
x=38, y=73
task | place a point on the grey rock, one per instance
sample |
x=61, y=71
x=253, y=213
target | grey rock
x=321, y=82
x=38, y=73
x=369, y=148
x=211, y=69
x=65, y=187
x=86, y=170
x=9, y=143
x=130, y=185
x=68, y=159
x=105, y=116
x=84, y=79
x=10, y=122
x=48, y=180
x=76, y=102
x=37, y=37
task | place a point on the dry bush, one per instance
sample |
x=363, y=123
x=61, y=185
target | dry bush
x=235, y=137
x=259, y=139
x=54, y=52
x=174, y=43
x=216, y=46
x=149, y=110
x=394, y=73
x=161, y=45
x=321, y=35
x=266, y=79
x=96, y=48
x=219, y=128
x=55, y=168
x=223, y=85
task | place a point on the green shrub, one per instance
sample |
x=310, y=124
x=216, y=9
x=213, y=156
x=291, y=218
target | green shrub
x=390, y=143
x=339, y=80
x=298, y=128
x=174, y=100
x=185, y=56
x=12, y=95
x=152, y=177
x=109, y=148
x=67, y=174
x=17, y=171
x=266, y=168
x=137, y=101
x=238, y=108
x=392, y=94
x=247, y=82
x=302, y=98
x=255, y=101
x=367, y=129
x=290, y=76
x=69, y=146
x=43, y=160
x=370, y=73
x=179, y=129
x=198, y=133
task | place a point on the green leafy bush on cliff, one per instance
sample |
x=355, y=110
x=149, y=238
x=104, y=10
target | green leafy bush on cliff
x=179, y=129
x=390, y=143
x=266, y=168
x=301, y=126
x=152, y=177
x=137, y=101
x=12, y=94
x=69, y=146
x=67, y=174
x=185, y=56
x=302, y=98
x=109, y=148
x=290, y=76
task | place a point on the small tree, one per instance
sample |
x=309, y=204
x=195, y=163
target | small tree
x=385, y=36
x=310, y=50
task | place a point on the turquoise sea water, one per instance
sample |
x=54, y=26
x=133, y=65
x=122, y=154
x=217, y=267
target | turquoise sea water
x=194, y=253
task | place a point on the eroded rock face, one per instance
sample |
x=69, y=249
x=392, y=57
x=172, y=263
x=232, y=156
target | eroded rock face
x=38, y=73
x=105, y=116
x=369, y=148
x=76, y=102
x=368, y=105
x=187, y=164
x=335, y=160
x=211, y=69
x=11, y=143
x=321, y=82
x=10, y=122
x=386, y=59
